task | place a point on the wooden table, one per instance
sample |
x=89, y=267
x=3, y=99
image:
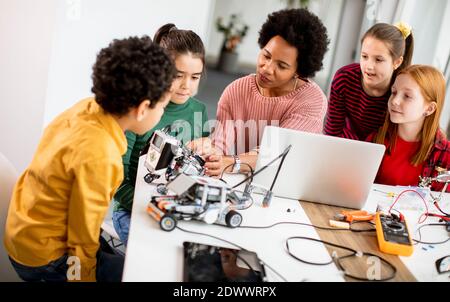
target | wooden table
x=367, y=241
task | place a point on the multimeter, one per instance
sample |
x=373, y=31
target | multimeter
x=393, y=235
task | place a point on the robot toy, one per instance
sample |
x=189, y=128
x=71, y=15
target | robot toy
x=199, y=198
x=167, y=155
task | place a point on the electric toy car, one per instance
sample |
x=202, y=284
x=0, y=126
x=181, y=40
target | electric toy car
x=199, y=198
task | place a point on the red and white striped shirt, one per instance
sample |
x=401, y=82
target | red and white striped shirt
x=352, y=113
x=243, y=113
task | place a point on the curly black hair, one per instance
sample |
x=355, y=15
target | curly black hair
x=303, y=30
x=130, y=71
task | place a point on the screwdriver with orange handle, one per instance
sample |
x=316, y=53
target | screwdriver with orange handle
x=359, y=215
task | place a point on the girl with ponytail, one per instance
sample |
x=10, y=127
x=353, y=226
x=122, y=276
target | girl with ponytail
x=360, y=91
x=186, y=115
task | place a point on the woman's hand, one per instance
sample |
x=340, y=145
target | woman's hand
x=215, y=164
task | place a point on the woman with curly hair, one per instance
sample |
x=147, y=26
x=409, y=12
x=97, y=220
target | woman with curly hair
x=293, y=43
x=186, y=115
x=360, y=91
x=58, y=204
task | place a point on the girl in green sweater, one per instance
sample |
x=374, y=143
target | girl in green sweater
x=186, y=115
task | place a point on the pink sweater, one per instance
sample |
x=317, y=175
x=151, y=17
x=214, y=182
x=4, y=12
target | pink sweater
x=243, y=113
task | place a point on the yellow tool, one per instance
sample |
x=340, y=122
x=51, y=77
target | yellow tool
x=393, y=235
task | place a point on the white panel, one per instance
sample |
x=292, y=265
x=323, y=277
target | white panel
x=26, y=30
x=84, y=27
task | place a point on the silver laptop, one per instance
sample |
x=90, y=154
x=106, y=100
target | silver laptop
x=319, y=168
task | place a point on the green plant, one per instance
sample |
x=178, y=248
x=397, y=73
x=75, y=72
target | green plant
x=233, y=32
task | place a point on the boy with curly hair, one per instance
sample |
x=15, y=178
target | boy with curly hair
x=59, y=202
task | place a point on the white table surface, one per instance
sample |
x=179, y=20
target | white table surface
x=155, y=255
x=422, y=262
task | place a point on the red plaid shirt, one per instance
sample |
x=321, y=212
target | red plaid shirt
x=438, y=158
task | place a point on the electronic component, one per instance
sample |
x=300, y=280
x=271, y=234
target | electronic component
x=237, y=164
x=200, y=198
x=268, y=193
x=393, y=235
x=167, y=155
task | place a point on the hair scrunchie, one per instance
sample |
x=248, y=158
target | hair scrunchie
x=404, y=28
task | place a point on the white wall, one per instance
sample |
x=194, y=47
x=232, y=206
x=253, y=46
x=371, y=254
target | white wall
x=26, y=31
x=430, y=21
x=442, y=55
x=330, y=14
x=48, y=48
x=254, y=13
x=80, y=35
x=347, y=39
x=425, y=18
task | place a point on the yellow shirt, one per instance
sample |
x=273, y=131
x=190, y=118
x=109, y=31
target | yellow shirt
x=59, y=202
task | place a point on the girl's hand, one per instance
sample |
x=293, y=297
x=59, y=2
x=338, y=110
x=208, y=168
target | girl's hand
x=202, y=146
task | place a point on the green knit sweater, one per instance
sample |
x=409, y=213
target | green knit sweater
x=191, y=115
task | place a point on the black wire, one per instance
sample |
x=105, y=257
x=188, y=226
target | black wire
x=280, y=165
x=285, y=152
x=233, y=244
x=245, y=164
x=316, y=240
x=311, y=225
x=303, y=224
x=427, y=225
x=394, y=269
x=439, y=208
x=251, y=174
x=223, y=180
x=212, y=236
x=354, y=253
x=245, y=261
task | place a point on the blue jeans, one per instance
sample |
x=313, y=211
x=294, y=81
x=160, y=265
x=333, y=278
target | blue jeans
x=109, y=267
x=121, y=222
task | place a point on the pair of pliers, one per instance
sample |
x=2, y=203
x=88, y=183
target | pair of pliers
x=358, y=215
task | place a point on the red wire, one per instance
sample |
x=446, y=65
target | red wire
x=444, y=218
x=424, y=202
x=439, y=208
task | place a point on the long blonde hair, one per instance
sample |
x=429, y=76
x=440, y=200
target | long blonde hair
x=432, y=86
